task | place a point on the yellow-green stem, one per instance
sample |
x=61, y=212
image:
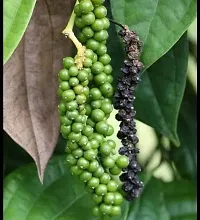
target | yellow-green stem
x=68, y=32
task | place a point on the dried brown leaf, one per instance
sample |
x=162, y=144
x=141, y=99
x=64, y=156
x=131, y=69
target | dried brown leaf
x=30, y=81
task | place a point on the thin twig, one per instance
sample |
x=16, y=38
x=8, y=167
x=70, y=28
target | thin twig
x=114, y=22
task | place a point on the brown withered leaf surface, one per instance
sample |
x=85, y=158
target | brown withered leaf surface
x=30, y=81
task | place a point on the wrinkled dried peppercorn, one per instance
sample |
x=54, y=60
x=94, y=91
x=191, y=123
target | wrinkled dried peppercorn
x=123, y=102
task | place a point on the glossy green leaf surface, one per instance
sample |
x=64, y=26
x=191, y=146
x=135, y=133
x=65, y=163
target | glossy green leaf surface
x=159, y=23
x=16, y=16
x=161, y=90
x=185, y=157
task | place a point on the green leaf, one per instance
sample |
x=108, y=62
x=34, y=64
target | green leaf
x=16, y=16
x=62, y=197
x=180, y=199
x=159, y=23
x=161, y=90
x=185, y=157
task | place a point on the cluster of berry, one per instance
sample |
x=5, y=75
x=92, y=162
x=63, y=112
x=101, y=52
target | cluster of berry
x=86, y=94
x=124, y=98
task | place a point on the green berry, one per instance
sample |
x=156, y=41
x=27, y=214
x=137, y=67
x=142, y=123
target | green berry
x=90, y=122
x=72, y=145
x=81, y=119
x=65, y=130
x=118, y=198
x=70, y=106
x=109, y=198
x=77, y=10
x=105, y=149
x=85, y=83
x=106, y=107
x=82, y=163
x=88, y=109
x=105, y=178
x=106, y=23
x=97, y=25
x=79, y=22
x=82, y=76
x=81, y=37
x=97, y=67
x=105, y=209
x=74, y=137
x=86, y=91
x=102, y=127
x=99, y=172
x=81, y=99
x=112, y=186
x=68, y=95
x=59, y=92
x=94, y=144
x=96, y=104
x=100, y=78
x=62, y=107
x=101, y=190
x=77, y=153
x=97, y=2
x=101, y=36
x=115, y=170
x=73, y=71
x=100, y=11
x=92, y=44
x=87, y=62
x=87, y=19
x=88, y=32
x=93, y=182
x=64, y=74
x=77, y=127
x=78, y=89
x=90, y=154
x=97, y=115
x=85, y=176
x=71, y=115
x=110, y=130
x=89, y=54
x=83, y=141
x=94, y=164
x=97, y=199
x=73, y=81
x=95, y=58
x=97, y=137
x=67, y=150
x=122, y=161
x=95, y=211
x=105, y=59
x=110, y=79
x=76, y=170
x=68, y=62
x=107, y=90
x=102, y=49
x=107, y=69
x=115, y=211
x=95, y=94
x=64, y=85
x=108, y=162
x=111, y=143
x=85, y=6
x=65, y=120
x=87, y=130
x=71, y=160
